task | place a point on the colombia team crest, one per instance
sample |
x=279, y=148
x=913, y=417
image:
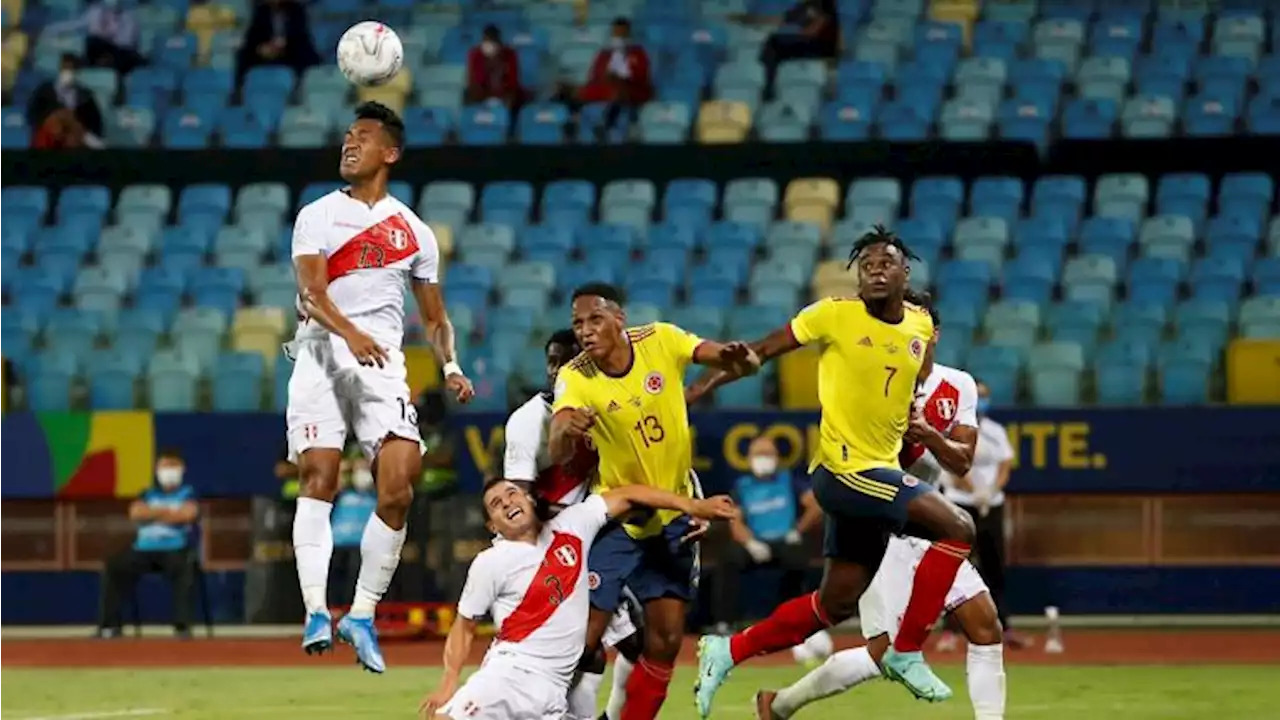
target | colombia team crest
x=653, y=383
x=916, y=348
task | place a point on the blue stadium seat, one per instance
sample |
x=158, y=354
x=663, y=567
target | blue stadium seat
x=237, y=382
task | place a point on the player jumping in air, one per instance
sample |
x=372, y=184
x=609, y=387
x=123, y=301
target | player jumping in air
x=625, y=391
x=944, y=430
x=873, y=349
x=526, y=461
x=534, y=584
x=353, y=251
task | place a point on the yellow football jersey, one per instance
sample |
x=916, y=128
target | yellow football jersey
x=866, y=380
x=642, y=423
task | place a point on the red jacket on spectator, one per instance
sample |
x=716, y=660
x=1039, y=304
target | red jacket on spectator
x=602, y=86
x=496, y=77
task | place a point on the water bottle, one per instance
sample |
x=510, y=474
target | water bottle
x=1053, y=635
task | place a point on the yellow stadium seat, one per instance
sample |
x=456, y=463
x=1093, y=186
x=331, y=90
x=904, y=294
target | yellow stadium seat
x=1253, y=372
x=798, y=379
x=830, y=271
x=723, y=122
x=392, y=94
x=264, y=344
x=205, y=21
x=13, y=9
x=422, y=368
x=260, y=330
x=960, y=12
x=444, y=238
x=812, y=191
x=847, y=287
x=819, y=215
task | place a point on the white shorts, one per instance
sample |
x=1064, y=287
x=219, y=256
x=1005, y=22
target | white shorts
x=881, y=608
x=620, y=627
x=330, y=394
x=506, y=693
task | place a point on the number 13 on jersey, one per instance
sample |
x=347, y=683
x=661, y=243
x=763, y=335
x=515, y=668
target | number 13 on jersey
x=650, y=430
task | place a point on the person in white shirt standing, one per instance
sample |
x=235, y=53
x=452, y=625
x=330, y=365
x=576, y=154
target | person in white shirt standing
x=353, y=250
x=527, y=461
x=534, y=585
x=943, y=438
x=980, y=492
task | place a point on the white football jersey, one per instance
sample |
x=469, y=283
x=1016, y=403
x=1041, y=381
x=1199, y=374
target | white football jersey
x=371, y=253
x=537, y=593
x=948, y=398
x=528, y=459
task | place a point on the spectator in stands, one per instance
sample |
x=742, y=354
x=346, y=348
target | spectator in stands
x=493, y=71
x=778, y=509
x=438, y=472
x=166, y=518
x=278, y=34
x=112, y=36
x=63, y=113
x=351, y=510
x=810, y=29
x=620, y=76
x=981, y=494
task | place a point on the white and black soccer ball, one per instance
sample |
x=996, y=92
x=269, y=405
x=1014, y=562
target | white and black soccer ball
x=815, y=649
x=370, y=53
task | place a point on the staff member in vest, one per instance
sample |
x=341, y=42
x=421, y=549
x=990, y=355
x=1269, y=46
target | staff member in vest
x=165, y=515
x=981, y=494
x=778, y=508
x=351, y=511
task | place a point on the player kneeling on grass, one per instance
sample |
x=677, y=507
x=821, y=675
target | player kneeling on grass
x=534, y=585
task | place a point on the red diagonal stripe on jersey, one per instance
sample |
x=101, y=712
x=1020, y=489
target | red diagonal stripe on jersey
x=940, y=412
x=377, y=246
x=557, y=481
x=552, y=584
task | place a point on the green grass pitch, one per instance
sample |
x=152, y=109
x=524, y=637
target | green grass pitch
x=1035, y=693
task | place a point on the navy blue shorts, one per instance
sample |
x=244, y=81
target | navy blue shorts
x=863, y=509
x=652, y=568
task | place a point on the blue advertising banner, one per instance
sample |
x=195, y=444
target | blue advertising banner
x=1202, y=450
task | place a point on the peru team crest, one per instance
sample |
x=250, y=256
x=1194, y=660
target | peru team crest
x=567, y=556
x=653, y=383
x=946, y=408
x=398, y=238
x=916, y=348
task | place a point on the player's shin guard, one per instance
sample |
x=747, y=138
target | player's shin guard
x=840, y=672
x=622, y=668
x=312, y=550
x=789, y=625
x=984, y=668
x=934, y=577
x=646, y=690
x=379, y=557
x=583, y=696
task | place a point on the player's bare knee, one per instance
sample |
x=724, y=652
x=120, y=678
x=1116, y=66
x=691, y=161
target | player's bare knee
x=395, y=495
x=663, y=644
x=963, y=528
x=318, y=480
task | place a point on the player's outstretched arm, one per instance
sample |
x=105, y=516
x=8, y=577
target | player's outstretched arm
x=568, y=425
x=313, y=289
x=435, y=320
x=620, y=501
x=457, y=648
x=777, y=343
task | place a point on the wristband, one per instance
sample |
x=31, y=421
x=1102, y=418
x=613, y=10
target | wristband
x=451, y=368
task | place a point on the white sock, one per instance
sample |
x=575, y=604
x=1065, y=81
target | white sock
x=312, y=549
x=379, y=557
x=840, y=672
x=583, y=696
x=984, y=670
x=618, y=693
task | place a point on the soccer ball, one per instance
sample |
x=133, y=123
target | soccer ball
x=814, y=650
x=370, y=53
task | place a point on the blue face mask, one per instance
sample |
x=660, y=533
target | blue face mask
x=983, y=406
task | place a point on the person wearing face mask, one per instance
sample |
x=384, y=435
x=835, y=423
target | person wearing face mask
x=63, y=113
x=351, y=510
x=980, y=493
x=165, y=515
x=778, y=509
x=620, y=76
x=493, y=71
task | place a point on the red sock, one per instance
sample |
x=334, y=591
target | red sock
x=790, y=624
x=646, y=690
x=934, y=577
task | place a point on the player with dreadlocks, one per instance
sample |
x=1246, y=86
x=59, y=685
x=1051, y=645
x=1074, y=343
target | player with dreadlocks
x=873, y=352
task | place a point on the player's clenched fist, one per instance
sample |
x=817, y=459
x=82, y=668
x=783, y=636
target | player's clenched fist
x=720, y=507
x=740, y=358
x=460, y=386
x=366, y=349
x=581, y=420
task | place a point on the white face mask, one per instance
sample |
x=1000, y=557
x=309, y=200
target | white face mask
x=762, y=465
x=66, y=77
x=489, y=48
x=361, y=479
x=169, y=477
